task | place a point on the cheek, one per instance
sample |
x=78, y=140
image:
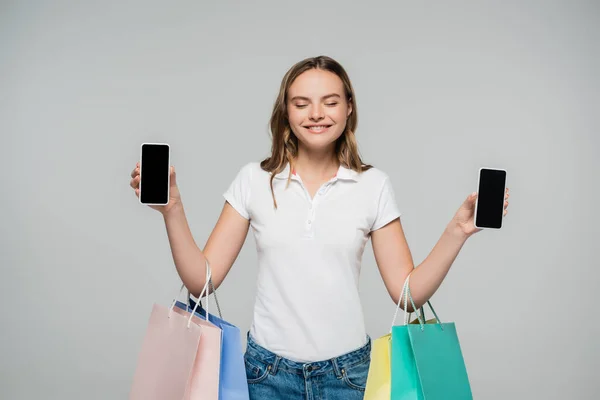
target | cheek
x=340, y=118
x=295, y=116
x=341, y=115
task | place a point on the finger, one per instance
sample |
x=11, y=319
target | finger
x=173, y=176
x=137, y=193
x=505, y=204
x=135, y=182
x=505, y=212
x=136, y=171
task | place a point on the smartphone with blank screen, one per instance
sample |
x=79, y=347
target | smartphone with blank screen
x=155, y=171
x=489, y=207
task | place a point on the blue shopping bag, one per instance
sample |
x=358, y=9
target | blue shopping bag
x=232, y=377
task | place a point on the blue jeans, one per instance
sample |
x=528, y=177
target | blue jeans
x=273, y=377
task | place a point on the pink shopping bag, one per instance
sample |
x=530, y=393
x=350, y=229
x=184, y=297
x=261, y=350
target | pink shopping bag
x=167, y=356
x=204, y=378
x=180, y=356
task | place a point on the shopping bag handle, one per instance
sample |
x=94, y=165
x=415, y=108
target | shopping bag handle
x=421, y=320
x=407, y=296
x=211, y=288
x=204, y=290
x=214, y=293
x=402, y=293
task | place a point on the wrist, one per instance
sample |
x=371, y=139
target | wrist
x=172, y=210
x=456, y=231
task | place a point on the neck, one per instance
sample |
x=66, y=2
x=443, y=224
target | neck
x=314, y=166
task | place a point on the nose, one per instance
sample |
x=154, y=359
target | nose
x=317, y=113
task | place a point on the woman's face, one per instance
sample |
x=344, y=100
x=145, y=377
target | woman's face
x=317, y=108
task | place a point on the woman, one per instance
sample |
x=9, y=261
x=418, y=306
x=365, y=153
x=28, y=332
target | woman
x=312, y=206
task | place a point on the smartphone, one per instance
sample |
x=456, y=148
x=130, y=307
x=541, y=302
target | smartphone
x=491, y=189
x=155, y=176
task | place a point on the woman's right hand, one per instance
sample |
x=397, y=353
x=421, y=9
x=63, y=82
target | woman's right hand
x=174, y=195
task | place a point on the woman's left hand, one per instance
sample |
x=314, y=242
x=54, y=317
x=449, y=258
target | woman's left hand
x=464, y=220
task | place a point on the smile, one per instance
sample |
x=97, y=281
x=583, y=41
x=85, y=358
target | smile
x=317, y=129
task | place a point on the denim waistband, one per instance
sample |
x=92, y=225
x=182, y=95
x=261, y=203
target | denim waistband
x=336, y=364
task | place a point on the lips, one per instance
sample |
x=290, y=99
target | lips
x=317, y=128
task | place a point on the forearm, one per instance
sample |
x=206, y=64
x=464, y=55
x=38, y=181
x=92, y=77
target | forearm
x=428, y=276
x=189, y=259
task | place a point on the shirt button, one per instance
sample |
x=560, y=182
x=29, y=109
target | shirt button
x=309, y=221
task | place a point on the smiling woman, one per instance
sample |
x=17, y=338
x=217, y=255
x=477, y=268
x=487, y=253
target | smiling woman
x=312, y=206
x=314, y=111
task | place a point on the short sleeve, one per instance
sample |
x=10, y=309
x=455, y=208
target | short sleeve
x=387, y=209
x=238, y=193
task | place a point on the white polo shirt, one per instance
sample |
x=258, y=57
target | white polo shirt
x=307, y=305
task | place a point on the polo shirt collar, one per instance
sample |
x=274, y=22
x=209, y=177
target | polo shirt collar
x=343, y=173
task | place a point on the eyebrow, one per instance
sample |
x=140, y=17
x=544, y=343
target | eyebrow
x=306, y=98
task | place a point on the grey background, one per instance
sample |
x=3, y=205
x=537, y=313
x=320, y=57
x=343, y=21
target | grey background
x=442, y=89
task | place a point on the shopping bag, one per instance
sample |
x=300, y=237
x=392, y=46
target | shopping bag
x=204, y=380
x=379, y=377
x=167, y=356
x=205, y=376
x=426, y=360
x=179, y=358
x=233, y=384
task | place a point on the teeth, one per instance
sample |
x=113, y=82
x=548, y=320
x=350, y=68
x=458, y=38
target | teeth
x=317, y=128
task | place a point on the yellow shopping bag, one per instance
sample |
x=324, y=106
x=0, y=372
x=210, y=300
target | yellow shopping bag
x=379, y=377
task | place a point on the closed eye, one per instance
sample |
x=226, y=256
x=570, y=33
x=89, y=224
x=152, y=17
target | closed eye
x=304, y=105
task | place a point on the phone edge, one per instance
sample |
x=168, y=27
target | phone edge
x=168, y=174
x=477, y=200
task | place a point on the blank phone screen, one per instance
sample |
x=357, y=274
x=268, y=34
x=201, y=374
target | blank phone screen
x=490, y=200
x=154, y=174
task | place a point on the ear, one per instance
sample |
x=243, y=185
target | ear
x=349, y=107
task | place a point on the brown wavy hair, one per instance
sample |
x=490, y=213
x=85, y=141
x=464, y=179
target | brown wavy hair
x=284, y=145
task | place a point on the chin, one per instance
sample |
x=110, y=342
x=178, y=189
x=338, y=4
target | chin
x=318, y=141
